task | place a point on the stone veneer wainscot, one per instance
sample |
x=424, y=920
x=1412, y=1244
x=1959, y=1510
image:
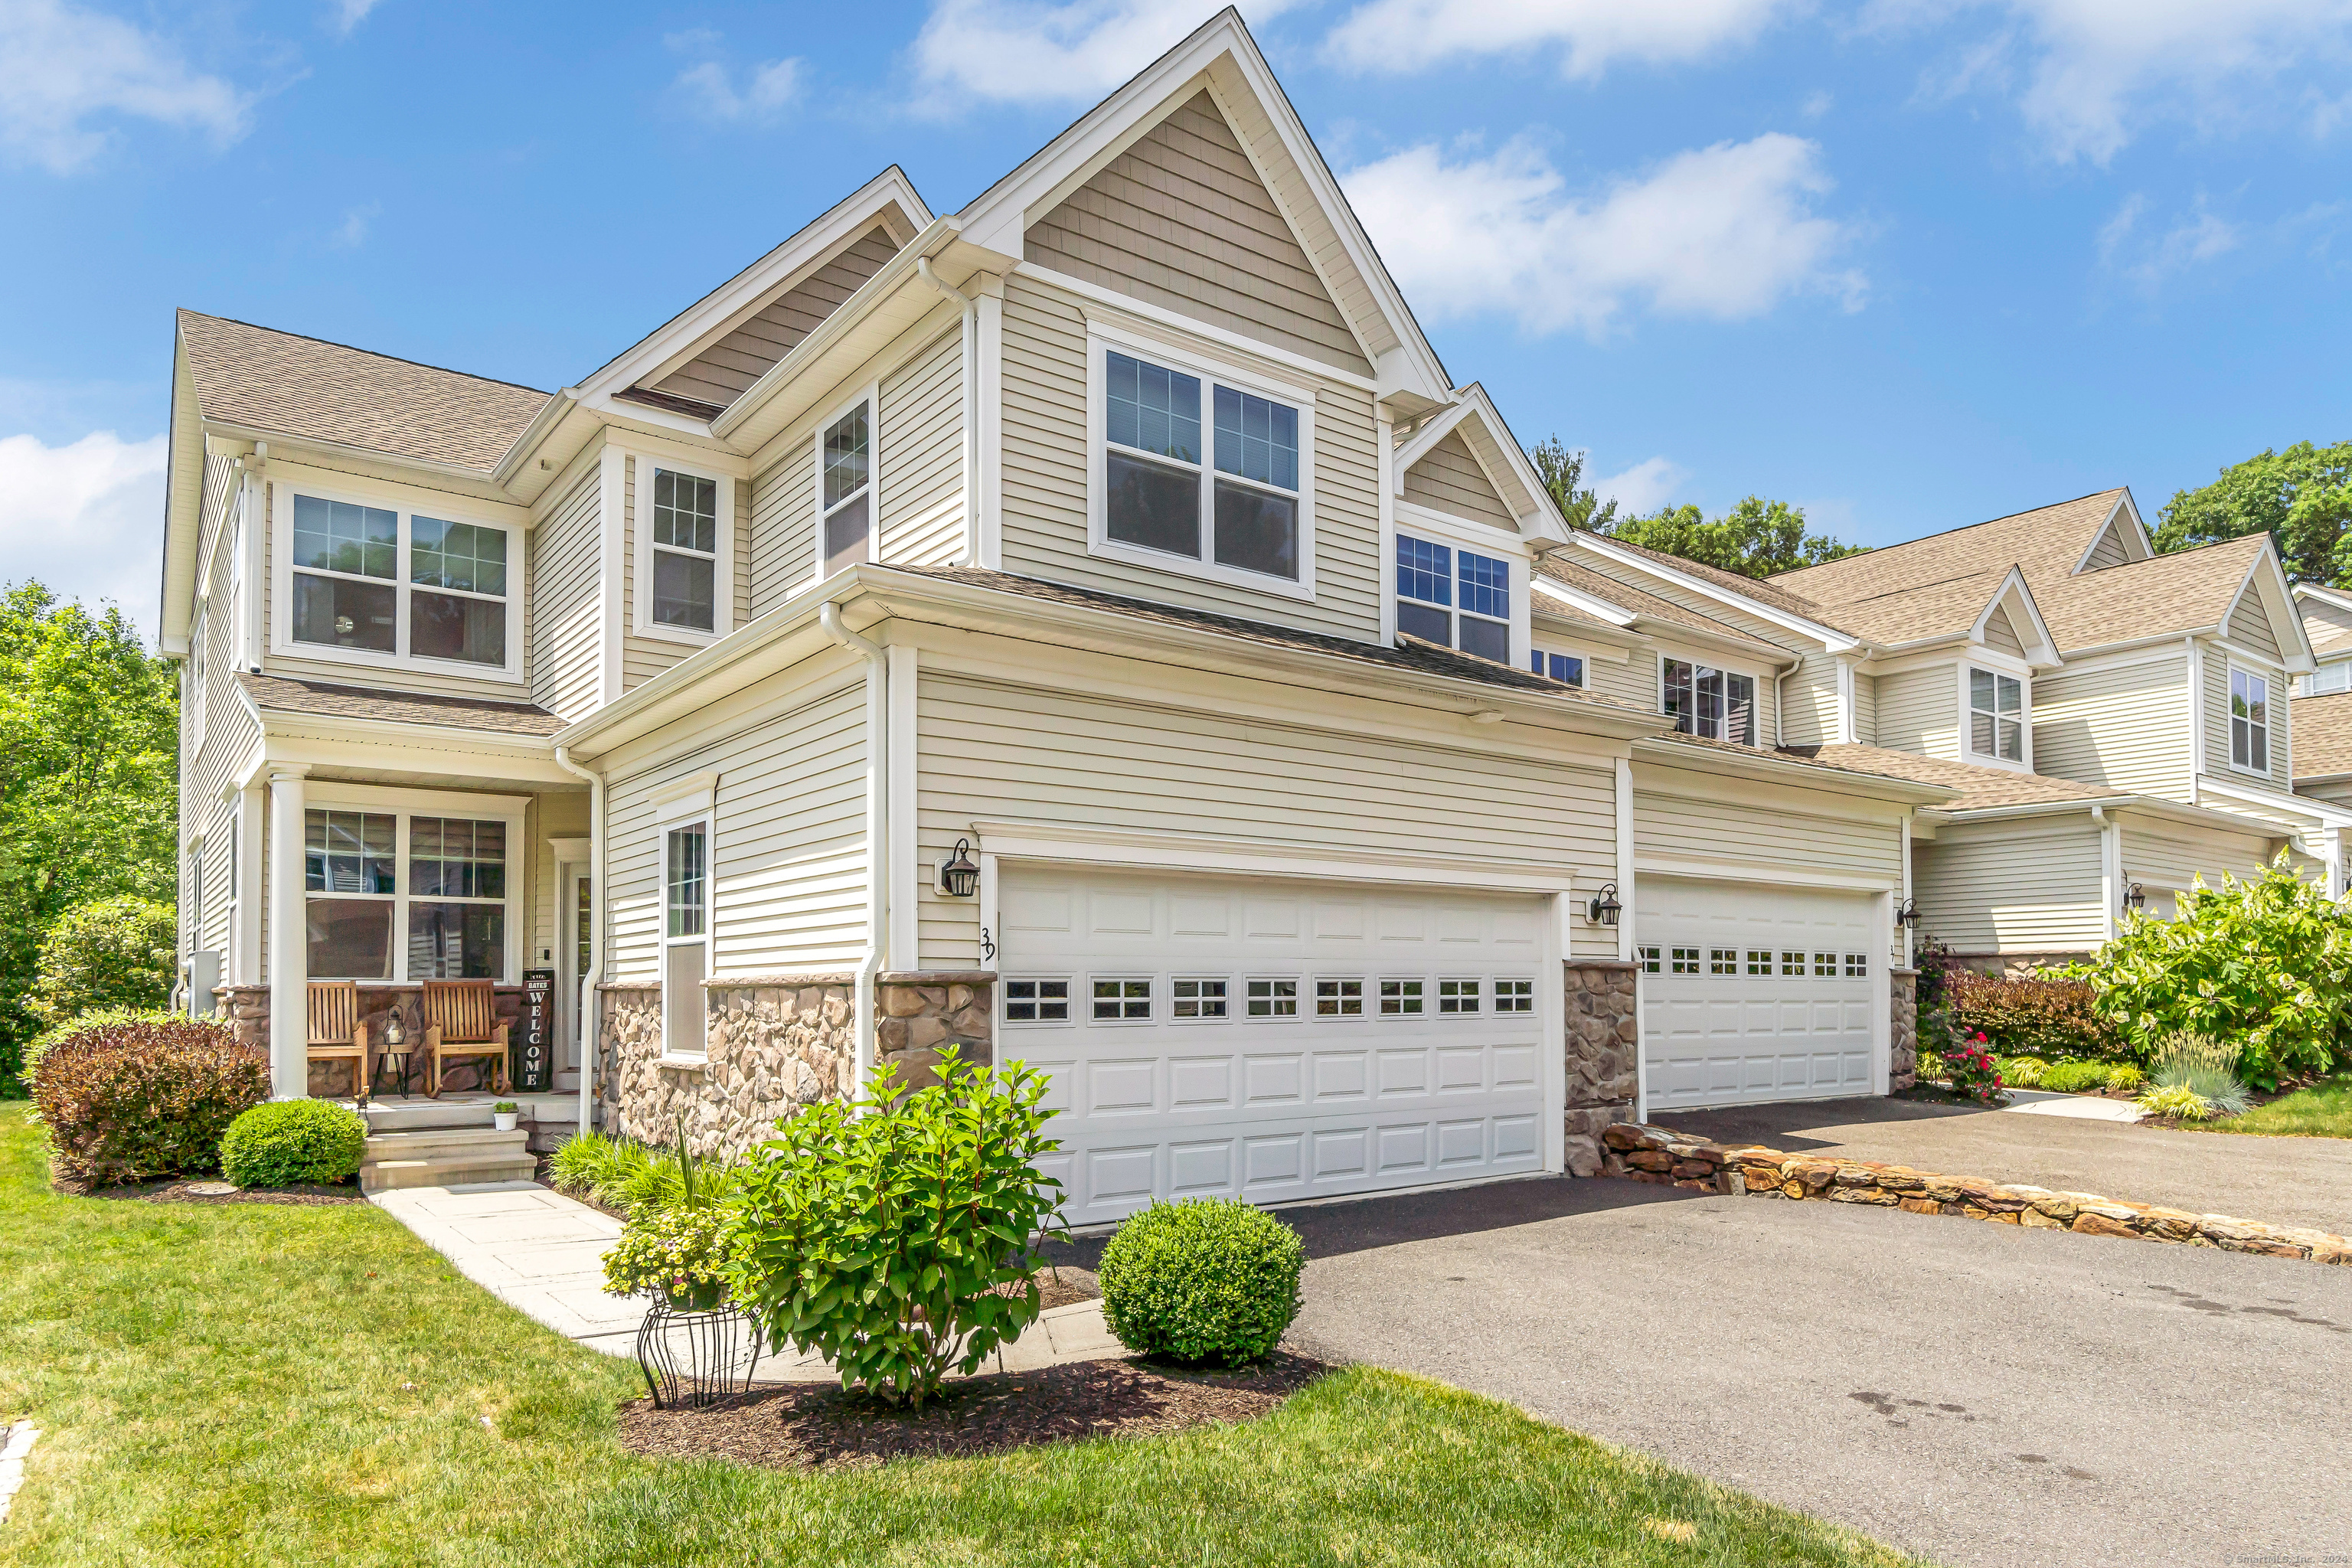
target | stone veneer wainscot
x=1602, y=1046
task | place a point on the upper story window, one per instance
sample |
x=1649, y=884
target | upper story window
x=2250, y=721
x=1457, y=598
x=685, y=551
x=1719, y=704
x=2335, y=676
x=1207, y=475
x=1996, y=715
x=846, y=474
x=402, y=895
x=1564, y=667
x=375, y=581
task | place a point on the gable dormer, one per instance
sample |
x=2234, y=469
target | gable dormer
x=2011, y=624
x=2121, y=538
x=1471, y=515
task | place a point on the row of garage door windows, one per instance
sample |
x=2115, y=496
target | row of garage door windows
x=1725, y=961
x=1129, y=999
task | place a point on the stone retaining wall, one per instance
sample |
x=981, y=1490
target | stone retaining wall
x=775, y=1043
x=1654, y=1154
x=1602, y=1045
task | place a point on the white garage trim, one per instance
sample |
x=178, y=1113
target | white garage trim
x=1154, y=849
x=1778, y=876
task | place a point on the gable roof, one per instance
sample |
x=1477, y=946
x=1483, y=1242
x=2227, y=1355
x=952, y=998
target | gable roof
x=1972, y=787
x=2184, y=591
x=1480, y=426
x=2046, y=542
x=1638, y=605
x=281, y=384
x=2322, y=727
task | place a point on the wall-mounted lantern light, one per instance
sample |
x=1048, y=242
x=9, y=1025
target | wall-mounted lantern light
x=1605, y=908
x=1908, y=915
x=959, y=876
x=2134, y=899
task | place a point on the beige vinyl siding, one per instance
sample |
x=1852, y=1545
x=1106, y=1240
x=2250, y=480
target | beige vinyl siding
x=1181, y=220
x=2024, y=885
x=1449, y=479
x=1866, y=704
x=2125, y=726
x=1634, y=679
x=2252, y=626
x=1919, y=711
x=1685, y=815
x=567, y=610
x=2167, y=857
x=2329, y=628
x=213, y=756
x=788, y=854
x=2217, y=722
x=2001, y=632
x=2108, y=552
x=1099, y=763
x=721, y=372
x=783, y=529
x=1809, y=702
x=921, y=452
x=563, y=815
x=1046, y=462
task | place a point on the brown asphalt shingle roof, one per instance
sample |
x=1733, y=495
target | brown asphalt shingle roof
x=1763, y=590
x=2182, y=592
x=300, y=387
x=1973, y=786
x=276, y=694
x=2045, y=542
x=1636, y=602
x=2323, y=734
x=1928, y=610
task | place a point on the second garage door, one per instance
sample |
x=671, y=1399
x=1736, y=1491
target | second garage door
x=1754, y=994
x=1272, y=1040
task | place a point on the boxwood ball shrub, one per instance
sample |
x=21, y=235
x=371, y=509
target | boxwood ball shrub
x=292, y=1142
x=1206, y=1280
x=128, y=1096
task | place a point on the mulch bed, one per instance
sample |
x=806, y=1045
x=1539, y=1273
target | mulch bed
x=808, y=1427
x=180, y=1192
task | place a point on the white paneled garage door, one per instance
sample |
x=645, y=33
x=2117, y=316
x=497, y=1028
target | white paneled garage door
x=1272, y=1040
x=1752, y=993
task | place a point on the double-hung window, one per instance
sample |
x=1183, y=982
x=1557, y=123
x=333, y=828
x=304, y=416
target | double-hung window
x=845, y=474
x=377, y=581
x=395, y=894
x=1996, y=715
x=1455, y=598
x=1718, y=704
x=686, y=936
x=1204, y=471
x=684, y=551
x=2250, y=721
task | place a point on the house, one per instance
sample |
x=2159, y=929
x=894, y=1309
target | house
x=1089, y=627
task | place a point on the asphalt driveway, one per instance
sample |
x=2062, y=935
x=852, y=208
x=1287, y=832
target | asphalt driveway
x=1983, y=1394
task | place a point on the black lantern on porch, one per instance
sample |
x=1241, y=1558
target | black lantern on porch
x=2135, y=901
x=959, y=876
x=1605, y=908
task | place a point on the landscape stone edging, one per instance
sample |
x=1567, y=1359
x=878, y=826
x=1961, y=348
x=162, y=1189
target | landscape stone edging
x=1644, y=1153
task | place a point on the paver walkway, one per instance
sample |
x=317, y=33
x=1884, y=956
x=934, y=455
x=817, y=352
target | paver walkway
x=542, y=1254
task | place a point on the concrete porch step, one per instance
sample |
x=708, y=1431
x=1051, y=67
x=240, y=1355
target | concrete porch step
x=427, y=1143
x=441, y=1157
x=408, y=1113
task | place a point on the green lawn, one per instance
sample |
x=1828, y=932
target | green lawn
x=2324, y=1111
x=311, y=1385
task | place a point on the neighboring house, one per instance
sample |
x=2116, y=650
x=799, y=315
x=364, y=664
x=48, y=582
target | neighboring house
x=1091, y=625
x=2326, y=614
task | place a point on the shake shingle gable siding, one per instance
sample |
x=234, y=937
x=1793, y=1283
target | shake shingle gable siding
x=275, y=694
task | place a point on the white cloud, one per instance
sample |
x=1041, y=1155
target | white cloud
x=1817, y=104
x=87, y=518
x=1643, y=488
x=350, y=14
x=1400, y=36
x=2197, y=237
x=709, y=90
x=1727, y=232
x=1034, y=51
x=61, y=69
x=353, y=231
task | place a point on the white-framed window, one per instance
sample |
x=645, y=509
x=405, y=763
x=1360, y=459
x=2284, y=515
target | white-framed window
x=1037, y=999
x=1514, y=995
x=686, y=935
x=1760, y=961
x=1202, y=999
x=367, y=580
x=1567, y=669
x=2335, y=675
x=1684, y=961
x=1857, y=966
x=1340, y=998
x=1200, y=467
x=1456, y=597
x=1996, y=715
x=2250, y=721
x=1723, y=961
x=1272, y=996
x=1402, y=998
x=683, y=567
x=1826, y=966
x=405, y=886
x=1122, y=999
x=197, y=663
x=1459, y=997
x=846, y=480
x=1647, y=957
x=1719, y=704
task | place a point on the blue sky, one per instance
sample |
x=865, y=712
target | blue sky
x=1908, y=263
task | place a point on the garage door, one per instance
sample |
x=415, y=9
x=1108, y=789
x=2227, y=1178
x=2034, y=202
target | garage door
x=1754, y=993
x=1271, y=1040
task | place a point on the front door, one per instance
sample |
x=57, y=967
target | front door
x=579, y=933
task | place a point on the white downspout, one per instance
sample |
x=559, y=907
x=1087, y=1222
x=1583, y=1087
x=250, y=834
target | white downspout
x=971, y=308
x=878, y=826
x=585, y=1016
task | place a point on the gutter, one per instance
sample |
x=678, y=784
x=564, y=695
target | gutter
x=586, y=1017
x=877, y=829
x=969, y=391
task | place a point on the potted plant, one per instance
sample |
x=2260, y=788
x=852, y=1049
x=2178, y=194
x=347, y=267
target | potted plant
x=675, y=1255
x=503, y=1115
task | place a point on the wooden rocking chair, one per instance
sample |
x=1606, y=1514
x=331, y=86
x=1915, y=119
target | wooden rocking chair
x=461, y=1020
x=336, y=1032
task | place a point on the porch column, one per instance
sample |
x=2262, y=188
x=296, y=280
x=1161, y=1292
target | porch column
x=289, y=957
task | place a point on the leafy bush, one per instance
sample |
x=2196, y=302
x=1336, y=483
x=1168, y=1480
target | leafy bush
x=2073, y=1078
x=892, y=1235
x=1208, y=1279
x=2267, y=963
x=1972, y=1072
x=680, y=1254
x=633, y=1177
x=2206, y=1068
x=2125, y=1078
x=2051, y=1020
x=2177, y=1101
x=2023, y=1073
x=127, y=1096
x=290, y=1143
x=115, y=953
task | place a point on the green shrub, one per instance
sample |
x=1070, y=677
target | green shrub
x=1208, y=1279
x=127, y=1096
x=2024, y=1072
x=2267, y=963
x=678, y=1254
x=2075, y=1077
x=115, y=953
x=2207, y=1068
x=2176, y=1100
x=290, y=1143
x=2125, y=1078
x=633, y=1177
x=2050, y=1020
x=893, y=1235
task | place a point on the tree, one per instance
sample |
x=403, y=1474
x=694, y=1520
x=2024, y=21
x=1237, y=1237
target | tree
x=1755, y=539
x=89, y=780
x=2302, y=498
x=1562, y=472
x=108, y=952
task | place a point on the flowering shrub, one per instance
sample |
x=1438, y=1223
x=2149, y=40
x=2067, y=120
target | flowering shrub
x=1972, y=1072
x=2050, y=1020
x=677, y=1253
